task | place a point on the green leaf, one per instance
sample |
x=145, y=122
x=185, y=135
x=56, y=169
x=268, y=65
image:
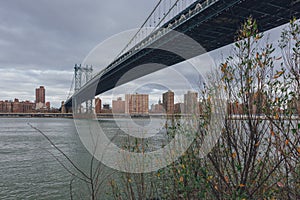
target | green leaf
x=239, y=167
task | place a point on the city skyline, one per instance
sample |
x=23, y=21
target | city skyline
x=26, y=106
x=139, y=104
x=39, y=96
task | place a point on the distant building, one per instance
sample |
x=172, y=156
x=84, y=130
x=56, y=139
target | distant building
x=27, y=106
x=235, y=108
x=40, y=103
x=39, y=106
x=136, y=103
x=6, y=106
x=294, y=106
x=191, y=105
x=98, y=105
x=179, y=108
x=106, y=108
x=168, y=102
x=48, y=105
x=40, y=94
x=157, y=108
x=257, y=103
x=16, y=106
x=118, y=106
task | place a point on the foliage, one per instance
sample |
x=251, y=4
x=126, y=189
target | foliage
x=257, y=155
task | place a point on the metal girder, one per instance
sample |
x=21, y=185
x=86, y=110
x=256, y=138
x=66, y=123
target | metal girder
x=262, y=12
x=77, y=77
x=269, y=13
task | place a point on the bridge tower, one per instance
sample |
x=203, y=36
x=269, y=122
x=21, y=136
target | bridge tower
x=83, y=73
x=88, y=71
x=78, y=75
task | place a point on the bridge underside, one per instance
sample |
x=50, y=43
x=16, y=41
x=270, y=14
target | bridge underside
x=212, y=28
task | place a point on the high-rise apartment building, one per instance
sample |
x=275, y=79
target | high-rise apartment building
x=136, y=103
x=118, y=106
x=168, y=102
x=179, y=108
x=40, y=95
x=40, y=98
x=191, y=105
x=98, y=105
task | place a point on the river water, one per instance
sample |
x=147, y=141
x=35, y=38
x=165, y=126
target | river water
x=28, y=162
x=28, y=168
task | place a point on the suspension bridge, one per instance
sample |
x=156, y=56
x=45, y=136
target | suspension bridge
x=211, y=23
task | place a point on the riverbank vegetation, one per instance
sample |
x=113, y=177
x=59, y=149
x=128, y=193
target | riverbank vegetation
x=254, y=158
x=257, y=155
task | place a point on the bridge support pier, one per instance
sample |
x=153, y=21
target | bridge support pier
x=89, y=106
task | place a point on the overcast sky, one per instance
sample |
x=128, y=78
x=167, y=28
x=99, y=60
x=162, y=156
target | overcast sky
x=41, y=40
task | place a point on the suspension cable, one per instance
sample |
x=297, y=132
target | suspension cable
x=157, y=5
x=165, y=16
x=176, y=4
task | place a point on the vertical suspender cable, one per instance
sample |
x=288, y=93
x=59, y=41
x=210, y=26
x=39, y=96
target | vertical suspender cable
x=152, y=12
x=172, y=8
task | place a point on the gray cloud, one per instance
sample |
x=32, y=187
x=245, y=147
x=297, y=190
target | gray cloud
x=40, y=40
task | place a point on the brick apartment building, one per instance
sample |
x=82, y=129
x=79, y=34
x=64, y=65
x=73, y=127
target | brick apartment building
x=40, y=95
x=16, y=106
x=118, y=106
x=98, y=105
x=136, y=103
x=168, y=102
x=191, y=105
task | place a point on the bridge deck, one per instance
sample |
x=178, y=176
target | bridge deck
x=212, y=28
